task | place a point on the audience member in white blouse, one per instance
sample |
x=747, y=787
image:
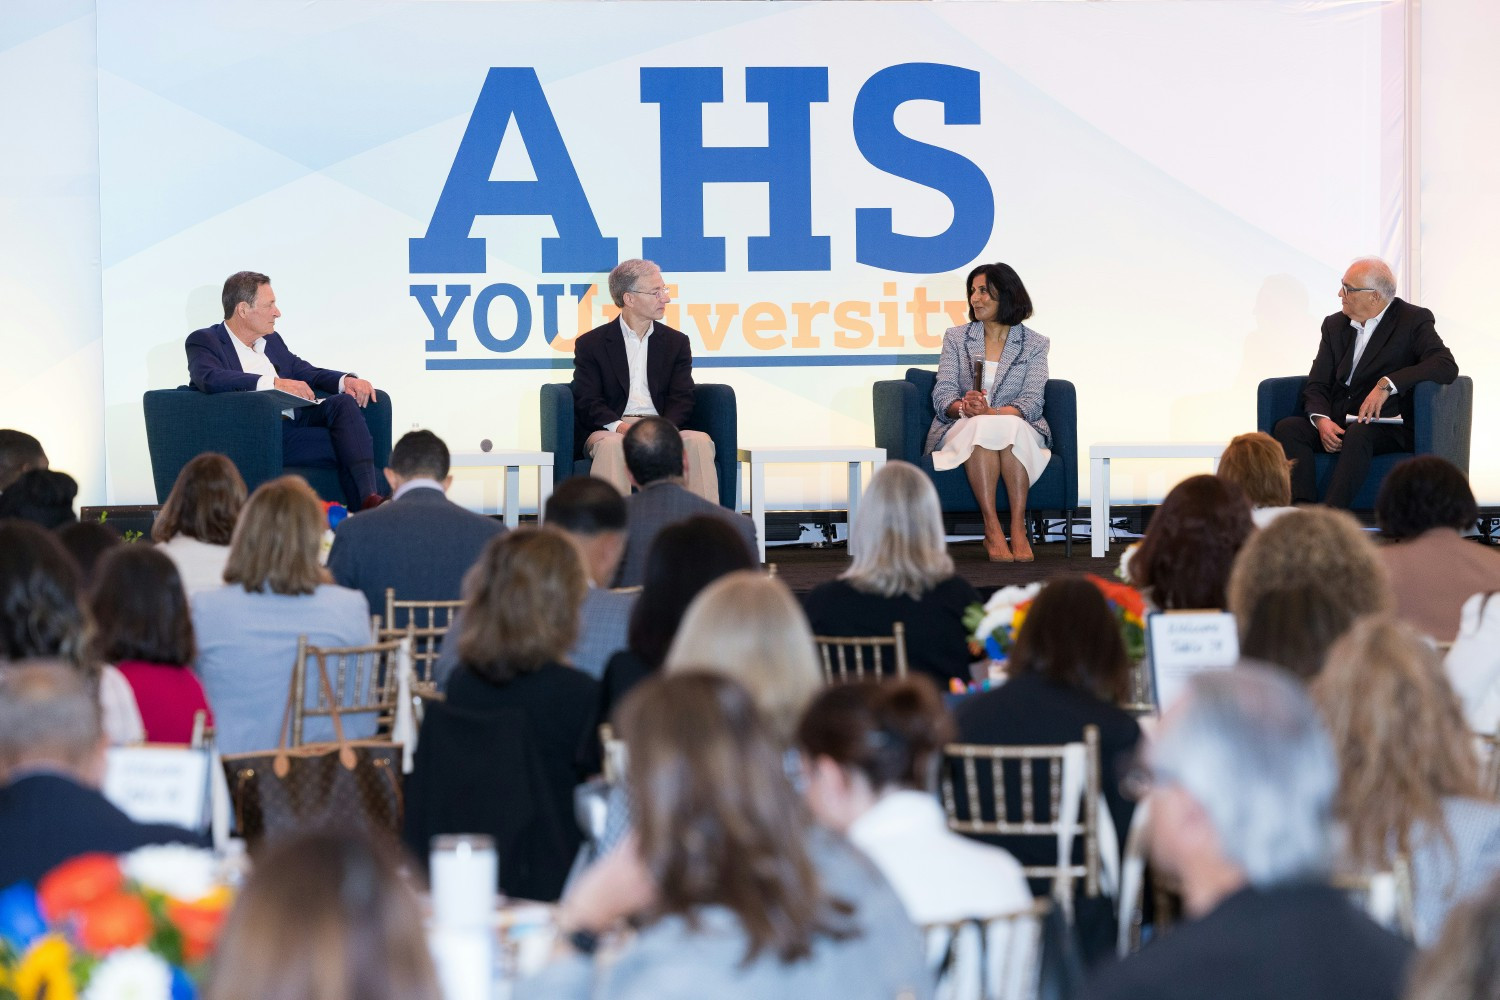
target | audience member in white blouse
x=196, y=523
x=1256, y=463
x=1408, y=783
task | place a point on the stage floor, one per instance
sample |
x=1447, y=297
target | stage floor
x=803, y=567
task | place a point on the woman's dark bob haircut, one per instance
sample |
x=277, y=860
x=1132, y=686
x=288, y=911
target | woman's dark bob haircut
x=1005, y=286
x=1422, y=493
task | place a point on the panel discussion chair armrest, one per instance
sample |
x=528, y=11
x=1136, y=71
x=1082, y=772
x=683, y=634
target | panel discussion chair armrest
x=1060, y=406
x=1444, y=418
x=899, y=427
x=557, y=426
x=184, y=423
x=1276, y=398
x=716, y=412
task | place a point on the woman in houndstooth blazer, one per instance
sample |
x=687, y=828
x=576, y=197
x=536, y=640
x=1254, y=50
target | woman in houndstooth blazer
x=988, y=401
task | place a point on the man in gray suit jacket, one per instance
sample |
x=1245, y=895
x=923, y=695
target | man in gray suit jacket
x=421, y=543
x=654, y=458
x=592, y=513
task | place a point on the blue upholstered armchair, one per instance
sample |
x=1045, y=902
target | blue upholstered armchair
x=1442, y=416
x=715, y=413
x=903, y=412
x=183, y=423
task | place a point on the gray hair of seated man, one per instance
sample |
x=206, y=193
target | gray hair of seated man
x=48, y=710
x=1249, y=746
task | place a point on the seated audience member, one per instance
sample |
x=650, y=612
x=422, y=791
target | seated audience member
x=1424, y=505
x=871, y=755
x=1462, y=964
x=1256, y=463
x=1473, y=662
x=19, y=452
x=503, y=753
x=274, y=592
x=591, y=512
x=87, y=542
x=734, y=892
x=900, y=571
x=41, y=496
x=142, y=625
x=324, y=916
x=41, y=617
x=1408, y=777
x=1068, y=669
x=421, y=543
x=654, y=458
x=1242, y=781
x=1314, y=549
x=685, y=558
x=1293, y=627
x=1183, y=562
x=748, y=626
x=51, y=764
x=196, y=523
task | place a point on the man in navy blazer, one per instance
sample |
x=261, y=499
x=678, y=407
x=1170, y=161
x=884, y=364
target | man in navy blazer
x=1373, y=352
x=245, y=353
x=52, y=755
x=421, y=543
x=633, y=367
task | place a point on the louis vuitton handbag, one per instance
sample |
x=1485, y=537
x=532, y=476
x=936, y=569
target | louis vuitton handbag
x=345, y=784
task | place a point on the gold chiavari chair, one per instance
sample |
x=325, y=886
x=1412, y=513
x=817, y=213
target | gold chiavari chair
x=859, y=658
x=427, y=624
x=364, y=681
x=988, y=958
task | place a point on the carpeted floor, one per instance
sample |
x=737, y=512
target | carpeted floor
x=803, y=567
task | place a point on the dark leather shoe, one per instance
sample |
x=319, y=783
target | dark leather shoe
x=372, y=501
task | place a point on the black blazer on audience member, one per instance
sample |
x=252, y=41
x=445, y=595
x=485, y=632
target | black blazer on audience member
x=1031, y=709
x=46, y=819
x=936, y=642
x=503, y=759
x=1290, y=942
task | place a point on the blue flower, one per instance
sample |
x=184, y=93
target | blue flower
x=21, y=920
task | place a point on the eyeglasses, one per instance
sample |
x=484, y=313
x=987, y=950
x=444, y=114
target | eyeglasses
x=1350, y=289
x=660, y=293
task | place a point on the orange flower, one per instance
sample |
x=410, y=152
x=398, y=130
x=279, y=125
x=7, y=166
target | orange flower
x=73, y=884
x=115, y=921
x=199, y=923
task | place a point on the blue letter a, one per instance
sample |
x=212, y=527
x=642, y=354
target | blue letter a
x=448, y=248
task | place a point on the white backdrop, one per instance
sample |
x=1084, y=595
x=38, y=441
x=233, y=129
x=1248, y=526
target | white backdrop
x=1180, y=186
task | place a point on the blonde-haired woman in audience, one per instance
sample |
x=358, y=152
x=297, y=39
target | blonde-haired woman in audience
x=1319, y=557
x=196, y=524
x=1256, y=464
x=1408, y=784
x=324, y=916
x=732, y=892
x=274, y=592
x=1462, y=964
x=748, y=626
x=900, y=571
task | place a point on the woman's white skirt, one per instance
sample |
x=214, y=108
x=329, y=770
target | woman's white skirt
x=995, y=431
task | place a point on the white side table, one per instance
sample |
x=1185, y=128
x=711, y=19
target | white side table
x=511, y=462
x=759, y=458
x=1099, y=457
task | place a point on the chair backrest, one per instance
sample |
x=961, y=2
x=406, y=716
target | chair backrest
x=862, y=658
x=364, y=681
x=1386, y=896
x=1071, y=810
x=987, y=958
x=1140, y=698
x=1487, y=749
x=426, y=623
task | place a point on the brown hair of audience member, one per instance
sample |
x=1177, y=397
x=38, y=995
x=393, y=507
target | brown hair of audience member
x=1190, y=545
x=1070, y=637
x=1424, y=492
x=749, y=626
x=1399, y=732
x=1256, y=464
x=683, y=559
x=521, y=602
x=1464, y=962
x=324, y=916
x=19, y=452
x=140, y=610
x=1311, y=548
x=40, y=615
x=1294, y=627
x=891, y=733
x=717, y=821
x=276, y=542
x=87, y=542
x=205, y=502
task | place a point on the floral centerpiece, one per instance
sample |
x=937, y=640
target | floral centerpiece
x=137, y=927
x=994, y=625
